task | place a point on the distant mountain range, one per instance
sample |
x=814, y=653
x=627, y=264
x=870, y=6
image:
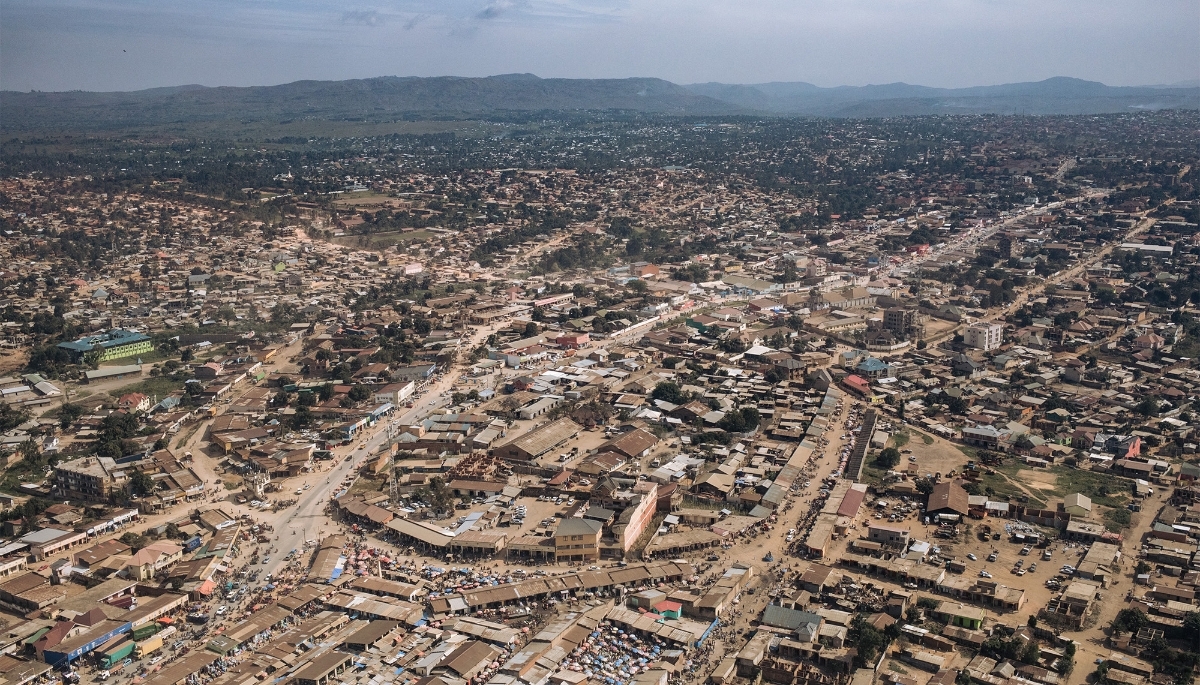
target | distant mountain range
x=388, y=98
x=1058, y=95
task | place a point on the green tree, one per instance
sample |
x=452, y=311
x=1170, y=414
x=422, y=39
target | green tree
x=740, y=420
x=888, y=457
x=868, y=640
x=1031, y=654
x=1129, y=621
x=91, y=358
x=68, y=414
x=669, y=391
x=437, y=494
x=303, y=418
x=140, y=483
x=134, y=540
x=1148, y=406
x=359, y=393
x=31, y=453
x=11, y=417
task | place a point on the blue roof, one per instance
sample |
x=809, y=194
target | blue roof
x=113, y=338
x=872, y=364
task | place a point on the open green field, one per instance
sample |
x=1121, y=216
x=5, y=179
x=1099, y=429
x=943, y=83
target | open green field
x=1042, y=486
x=368, y=197
x=1103, y=489
x=1004, y=484
x=382, y=241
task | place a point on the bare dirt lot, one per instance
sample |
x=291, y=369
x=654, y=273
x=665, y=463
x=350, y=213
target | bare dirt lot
x=13, y=360
x=933, y=454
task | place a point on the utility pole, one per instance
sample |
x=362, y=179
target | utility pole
x=393, y=485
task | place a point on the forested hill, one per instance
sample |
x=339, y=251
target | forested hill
x=375, y=99
x=312, y=105
x=1058, y=95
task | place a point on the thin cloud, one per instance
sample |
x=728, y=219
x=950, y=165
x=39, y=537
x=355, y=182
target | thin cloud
x=69, y=44
x=363, y=18
x=495, y=9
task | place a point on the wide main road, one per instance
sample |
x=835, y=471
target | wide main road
x=977, y=236
x=307, y=520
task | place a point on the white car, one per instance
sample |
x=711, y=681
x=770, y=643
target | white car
x=972, y=557
x=984, y=574
x=221, y=610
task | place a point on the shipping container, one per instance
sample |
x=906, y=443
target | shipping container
x=192, y=543
x=149, y=646
x=126, y=602
x=115, y=655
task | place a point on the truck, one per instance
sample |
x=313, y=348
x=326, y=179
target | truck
x=148, y=646
x=116, y=654
x=144, y=631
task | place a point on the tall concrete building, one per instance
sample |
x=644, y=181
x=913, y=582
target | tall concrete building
x=905, y=323
x=984, y=336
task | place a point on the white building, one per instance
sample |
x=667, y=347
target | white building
x=396, y=393
x=984, y=336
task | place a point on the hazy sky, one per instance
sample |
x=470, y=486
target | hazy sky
x=131, y=44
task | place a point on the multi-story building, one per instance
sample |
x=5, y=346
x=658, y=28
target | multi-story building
x=890, y=536
x=115, y=344
x=984, y=336
x=905, y=323
x=93, y=478
x=151, y=559
x=577, y=539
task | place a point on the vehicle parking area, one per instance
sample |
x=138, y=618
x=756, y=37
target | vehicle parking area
x=1008, y=563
